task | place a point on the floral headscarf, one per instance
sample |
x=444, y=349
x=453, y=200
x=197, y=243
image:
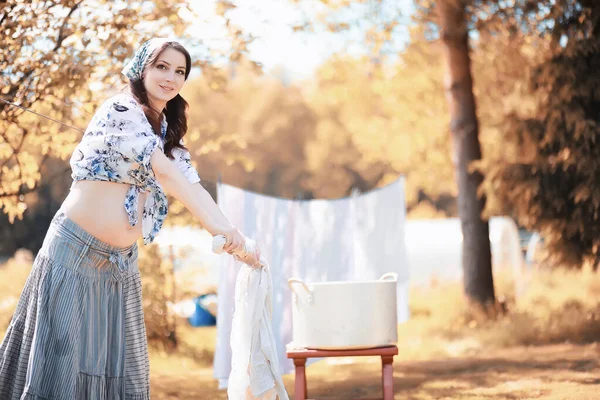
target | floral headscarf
x=135, y=67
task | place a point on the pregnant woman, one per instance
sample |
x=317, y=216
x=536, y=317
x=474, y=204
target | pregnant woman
x=78, y=331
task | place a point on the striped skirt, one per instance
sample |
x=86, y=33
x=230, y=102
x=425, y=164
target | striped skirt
x=78, y=331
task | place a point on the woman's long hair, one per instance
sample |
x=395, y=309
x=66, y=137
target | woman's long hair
x=175, y=110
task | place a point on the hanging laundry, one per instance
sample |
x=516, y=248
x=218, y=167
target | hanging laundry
x=354, y=238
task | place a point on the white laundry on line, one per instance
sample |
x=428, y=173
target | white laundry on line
x=355, y=238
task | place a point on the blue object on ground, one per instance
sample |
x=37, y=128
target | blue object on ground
x=201, y=317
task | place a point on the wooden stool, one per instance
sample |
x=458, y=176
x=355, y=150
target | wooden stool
x=387, y=359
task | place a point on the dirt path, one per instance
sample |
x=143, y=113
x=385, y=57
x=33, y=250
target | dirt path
x=565, y=372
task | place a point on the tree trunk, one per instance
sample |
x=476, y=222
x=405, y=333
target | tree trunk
x=477, y=265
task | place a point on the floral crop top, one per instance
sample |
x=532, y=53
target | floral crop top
x=116, y=147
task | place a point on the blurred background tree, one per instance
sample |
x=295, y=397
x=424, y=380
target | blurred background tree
x=464, y=128
x=550, y=184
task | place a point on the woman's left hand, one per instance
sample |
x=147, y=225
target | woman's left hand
x=252, y=259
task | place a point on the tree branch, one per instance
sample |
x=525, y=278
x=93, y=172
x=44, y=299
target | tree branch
x=8, y=9
x=14, y=149
x=20, y=192
x=61, y=32
x=10, y=95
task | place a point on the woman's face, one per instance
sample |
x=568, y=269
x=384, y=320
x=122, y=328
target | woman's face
x=164, y=79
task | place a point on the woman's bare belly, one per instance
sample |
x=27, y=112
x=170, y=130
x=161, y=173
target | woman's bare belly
x=98, y=207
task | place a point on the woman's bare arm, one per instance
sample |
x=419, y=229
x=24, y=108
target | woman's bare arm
x=197, y=200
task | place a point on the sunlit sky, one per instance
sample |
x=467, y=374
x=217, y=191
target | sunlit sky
x=277, y=46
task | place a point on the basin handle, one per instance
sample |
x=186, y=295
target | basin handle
x=388, y=275
x=299, y=281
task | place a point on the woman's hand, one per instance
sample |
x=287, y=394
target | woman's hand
x=235, y=242
x=252, y=258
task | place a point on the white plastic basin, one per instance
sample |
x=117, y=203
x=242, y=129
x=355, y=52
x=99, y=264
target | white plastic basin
x=344, y=315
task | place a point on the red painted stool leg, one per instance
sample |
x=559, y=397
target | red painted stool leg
x=387, y=373
x=300, y=381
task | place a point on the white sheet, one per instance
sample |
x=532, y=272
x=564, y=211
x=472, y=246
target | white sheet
x=255, y=373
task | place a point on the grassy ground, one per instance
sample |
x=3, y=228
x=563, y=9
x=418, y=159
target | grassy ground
x=551, y=371
x=544, y=346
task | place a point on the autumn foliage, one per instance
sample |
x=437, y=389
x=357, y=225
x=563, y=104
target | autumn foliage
x=357, y=123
